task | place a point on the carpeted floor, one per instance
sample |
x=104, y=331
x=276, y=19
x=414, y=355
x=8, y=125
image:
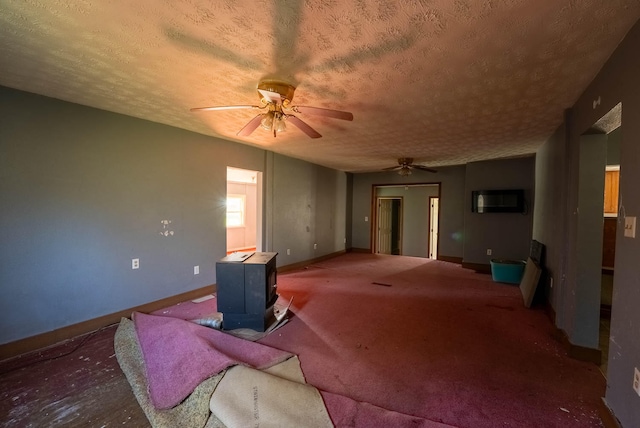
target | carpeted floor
x=437, y=341
x=430, y=339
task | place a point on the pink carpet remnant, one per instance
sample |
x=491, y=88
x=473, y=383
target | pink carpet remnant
x=179, y=355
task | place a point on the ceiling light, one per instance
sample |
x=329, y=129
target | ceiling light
x=404, y=171
x=267, y=121
x=279, y=125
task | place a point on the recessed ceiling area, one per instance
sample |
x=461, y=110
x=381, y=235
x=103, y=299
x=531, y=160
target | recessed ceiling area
x=444, y=82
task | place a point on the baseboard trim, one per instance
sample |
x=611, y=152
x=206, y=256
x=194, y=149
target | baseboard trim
x=582, y=353
x=450, y=259
x=606, y=415
x=43, y=340
x=360, y=250
x=300, y=265
x=576, y=352
x=478, y=267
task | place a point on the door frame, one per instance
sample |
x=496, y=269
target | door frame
x=373, y=208
x=241, y=176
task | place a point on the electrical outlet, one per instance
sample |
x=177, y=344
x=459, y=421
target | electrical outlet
x=636, y=380
x=288, y=251
x=489, y=251
x=366, y=218
x=196, y=270
x=315, y=246
x=135, y=263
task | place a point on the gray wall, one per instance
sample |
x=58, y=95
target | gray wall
x=463, y=235
x=508, y=235
x=415, y=217
x=613, y=146
x=617, y=82
x=549, y=226
x=309, y=207
x=451, y=181
x=83, y=191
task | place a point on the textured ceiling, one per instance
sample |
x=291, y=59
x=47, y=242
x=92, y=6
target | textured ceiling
x=445, y=82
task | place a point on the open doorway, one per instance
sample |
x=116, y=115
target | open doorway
x=244, y=210
x=598, y=219
x=389, y=226
x=403, y=219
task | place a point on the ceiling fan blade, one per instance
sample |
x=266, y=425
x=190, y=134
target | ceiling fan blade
x=391, y=168
x=223, y=108
x=336, y=114
x=250, y=127
x=423, y=168
x=273, y=97
x=303, y=126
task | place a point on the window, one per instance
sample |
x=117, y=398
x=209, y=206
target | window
x=235, y=210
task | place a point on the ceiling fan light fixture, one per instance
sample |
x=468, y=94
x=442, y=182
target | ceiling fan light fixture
x=404, y=171
x=267, y=121
x=276, y=96
x=279, y=125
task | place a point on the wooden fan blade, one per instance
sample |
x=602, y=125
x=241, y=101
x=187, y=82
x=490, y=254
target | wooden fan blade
x=223, y=108
x=391, y=168
x=303, y=126
x=273, y=97
x=250, y=127
x=336, y=114
x=423, y=168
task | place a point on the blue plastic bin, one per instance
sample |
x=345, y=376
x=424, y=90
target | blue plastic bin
x=509, y=271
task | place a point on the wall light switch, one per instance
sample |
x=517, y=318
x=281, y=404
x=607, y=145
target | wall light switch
x=196, y=270
x=366, y=218
x=630, y=227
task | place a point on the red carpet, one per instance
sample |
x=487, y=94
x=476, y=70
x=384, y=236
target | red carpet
x=437, y=341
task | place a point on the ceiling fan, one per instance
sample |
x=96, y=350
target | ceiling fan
x=275, y=98
x=405, y=165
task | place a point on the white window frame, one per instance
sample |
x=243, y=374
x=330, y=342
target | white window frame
x=240, y=211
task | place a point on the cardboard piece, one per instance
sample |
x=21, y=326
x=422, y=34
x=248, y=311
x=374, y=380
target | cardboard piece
x=529, y=281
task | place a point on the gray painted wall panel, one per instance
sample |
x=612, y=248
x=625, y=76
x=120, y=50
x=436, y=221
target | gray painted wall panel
x=616, y=82
x=508, y=235
x=309, y=208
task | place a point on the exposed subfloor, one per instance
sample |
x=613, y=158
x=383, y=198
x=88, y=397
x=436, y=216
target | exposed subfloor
x=75, y=384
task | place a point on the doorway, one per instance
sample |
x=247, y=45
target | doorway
x=244, y=210
x=389, y=226
x=598, y=221
x=434, y=207
x=404, y=227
